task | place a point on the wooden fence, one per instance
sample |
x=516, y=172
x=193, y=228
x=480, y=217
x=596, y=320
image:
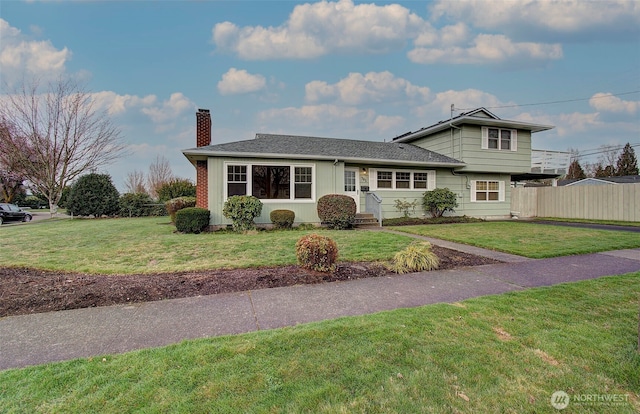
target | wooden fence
x=594, y=202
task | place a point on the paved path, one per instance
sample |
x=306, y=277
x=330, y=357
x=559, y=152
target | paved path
x=56, y=336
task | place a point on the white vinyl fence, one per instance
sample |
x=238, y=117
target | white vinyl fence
x=594, y=202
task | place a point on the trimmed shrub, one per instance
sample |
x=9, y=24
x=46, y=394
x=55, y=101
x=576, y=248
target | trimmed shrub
x=439, y=201
x=176, y=204
x=93, y=195
x=417, y=257
x=135, y=205
x=192, y=219
x=317, y=253
x=242, y=210
x=282, y=219
x=337, y=211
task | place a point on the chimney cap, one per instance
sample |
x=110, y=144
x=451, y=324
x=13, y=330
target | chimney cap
x=203, y=110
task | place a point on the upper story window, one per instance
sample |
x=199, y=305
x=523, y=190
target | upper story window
x=270, y=182
x=499, y=139
x=402, y=180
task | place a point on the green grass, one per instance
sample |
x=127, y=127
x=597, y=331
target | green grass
x=505, y=353
x=609, y=222
x=529, y=239
x=147, y=245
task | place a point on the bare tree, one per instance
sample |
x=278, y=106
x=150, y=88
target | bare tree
x=54, y=137
x=159, y=174
x=135, y=182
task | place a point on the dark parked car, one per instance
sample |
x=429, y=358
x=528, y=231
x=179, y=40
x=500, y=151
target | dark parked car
x=11, y=212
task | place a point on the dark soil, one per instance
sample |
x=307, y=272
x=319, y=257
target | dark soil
x=24, y=291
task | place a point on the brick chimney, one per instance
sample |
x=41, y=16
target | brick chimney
x=203, y=138
x=203, y=128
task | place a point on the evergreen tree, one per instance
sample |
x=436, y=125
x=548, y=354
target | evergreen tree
x=575, y=171
x=607, y=171
x=627, y=162
x=93, y=194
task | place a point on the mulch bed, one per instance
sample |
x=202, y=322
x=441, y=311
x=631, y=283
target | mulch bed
x=25, y=291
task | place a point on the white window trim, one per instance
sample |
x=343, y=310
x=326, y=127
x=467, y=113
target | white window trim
x=292, y=183
x=485, y=139
x=501, y=192
x=373, y=180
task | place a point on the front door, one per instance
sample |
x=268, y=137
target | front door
x=351, y=185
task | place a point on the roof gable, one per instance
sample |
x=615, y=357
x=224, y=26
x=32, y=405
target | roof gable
x=479, y=116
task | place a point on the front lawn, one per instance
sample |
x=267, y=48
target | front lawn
x=507, y=353
x=149, y=245
x=529, y=239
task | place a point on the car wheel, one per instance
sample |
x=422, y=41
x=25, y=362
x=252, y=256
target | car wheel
x=27, y=217
x=1, y=221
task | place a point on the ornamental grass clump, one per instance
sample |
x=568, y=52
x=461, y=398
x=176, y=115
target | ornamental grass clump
x=417, y=257
x=317, y=253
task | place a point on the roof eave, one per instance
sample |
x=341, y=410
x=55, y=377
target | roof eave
x=474, y=121
x=196, y=154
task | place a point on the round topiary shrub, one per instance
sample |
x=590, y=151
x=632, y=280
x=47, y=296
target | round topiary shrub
x=317, y=253
x=282, y=219
x=192, y=219
x=176, y=204
x=242, y=210
x=337, y=211
x=417, y=257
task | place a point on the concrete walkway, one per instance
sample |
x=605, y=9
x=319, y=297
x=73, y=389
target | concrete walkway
x=57, y=336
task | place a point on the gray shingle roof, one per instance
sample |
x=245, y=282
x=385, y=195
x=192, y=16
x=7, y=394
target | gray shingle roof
x=291, y=146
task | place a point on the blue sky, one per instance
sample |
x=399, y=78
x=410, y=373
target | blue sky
x=339, y=69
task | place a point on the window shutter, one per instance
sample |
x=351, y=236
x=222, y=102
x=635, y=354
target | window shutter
x=431, y=180
x=500, y=190
x=514, y=140
x=373, y=179
x=485, y=138
x=473, y=190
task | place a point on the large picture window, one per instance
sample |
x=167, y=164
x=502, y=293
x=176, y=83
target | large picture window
x=402, y=180
x=485, y=190
x=499, y=139
x=270, y=182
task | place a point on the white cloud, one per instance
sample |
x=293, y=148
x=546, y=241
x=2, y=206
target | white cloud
x=546, y=18
x=605, y=102
x=240, y=81
x=384, y=123
x=116, y=104
x=19, y=55
x=325, y=120
x=487, y=49
x=373, y=87
x=466, y=99
x=324, y=27
x=170, y=109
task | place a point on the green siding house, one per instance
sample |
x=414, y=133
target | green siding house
x=476, y=155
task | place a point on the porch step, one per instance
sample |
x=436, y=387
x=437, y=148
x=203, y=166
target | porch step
x=365, y=219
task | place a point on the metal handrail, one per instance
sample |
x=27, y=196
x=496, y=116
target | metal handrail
x=373, y=205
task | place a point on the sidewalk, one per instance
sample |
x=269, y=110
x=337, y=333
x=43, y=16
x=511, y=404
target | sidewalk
x=57, y=336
